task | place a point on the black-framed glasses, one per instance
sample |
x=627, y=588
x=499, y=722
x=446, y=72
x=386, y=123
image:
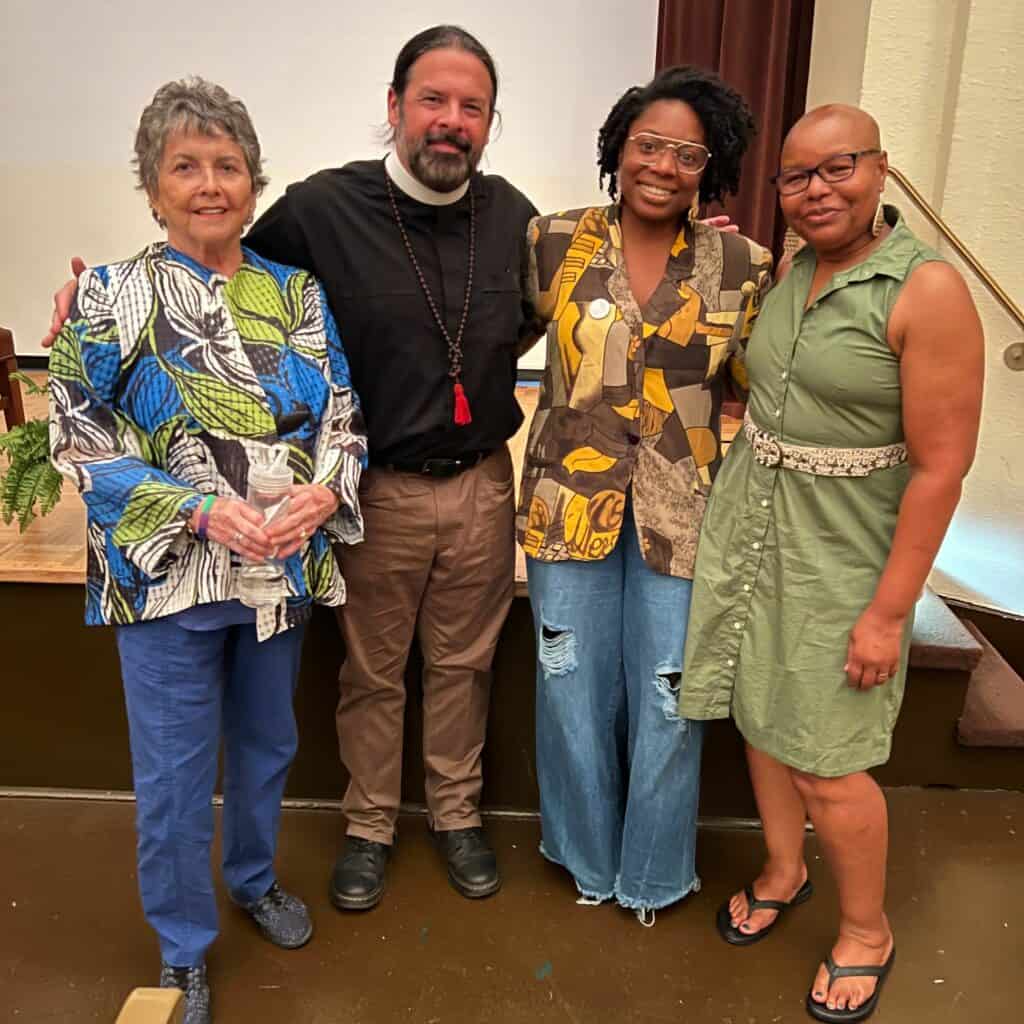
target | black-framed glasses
x=691, y=157
x=834, y=168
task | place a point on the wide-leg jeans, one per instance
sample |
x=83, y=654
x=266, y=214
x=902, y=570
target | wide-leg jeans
x=619, y=770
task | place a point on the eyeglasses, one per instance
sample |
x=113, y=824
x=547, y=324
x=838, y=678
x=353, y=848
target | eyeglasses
x=691, y=157
x=835, y=168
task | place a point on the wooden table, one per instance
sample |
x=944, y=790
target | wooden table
x=52, y=550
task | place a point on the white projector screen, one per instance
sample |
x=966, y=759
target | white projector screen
x=314, y=76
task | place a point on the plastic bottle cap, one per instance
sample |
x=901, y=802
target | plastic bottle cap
x=274, y=476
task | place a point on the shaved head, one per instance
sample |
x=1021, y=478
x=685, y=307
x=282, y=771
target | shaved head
x=834, y=120
x=832, y=174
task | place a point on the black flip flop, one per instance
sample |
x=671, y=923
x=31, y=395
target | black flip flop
x=735, y=937
x=819, y=1011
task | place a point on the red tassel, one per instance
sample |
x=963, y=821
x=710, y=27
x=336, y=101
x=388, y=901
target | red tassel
x=462, y=413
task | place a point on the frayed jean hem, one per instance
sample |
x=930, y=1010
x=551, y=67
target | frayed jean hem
x=588, y=894
x=629, y=903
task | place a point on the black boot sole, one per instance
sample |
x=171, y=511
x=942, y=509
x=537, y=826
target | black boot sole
x=342, y=902
x=477, y=892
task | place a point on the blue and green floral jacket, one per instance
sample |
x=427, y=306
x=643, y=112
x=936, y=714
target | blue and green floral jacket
x=166, y=380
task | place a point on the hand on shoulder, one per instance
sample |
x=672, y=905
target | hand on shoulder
x=62, y=300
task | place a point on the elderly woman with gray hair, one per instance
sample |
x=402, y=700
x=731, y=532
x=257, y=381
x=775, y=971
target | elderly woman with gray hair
x=181, y=376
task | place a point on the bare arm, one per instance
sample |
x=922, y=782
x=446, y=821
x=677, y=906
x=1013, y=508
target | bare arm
x=935, y=329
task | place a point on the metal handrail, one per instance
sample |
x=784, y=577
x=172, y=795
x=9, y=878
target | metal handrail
x=968, y=257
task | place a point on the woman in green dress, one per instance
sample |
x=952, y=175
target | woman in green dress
x=865, y=373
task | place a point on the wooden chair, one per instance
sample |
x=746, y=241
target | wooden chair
x=10, y=392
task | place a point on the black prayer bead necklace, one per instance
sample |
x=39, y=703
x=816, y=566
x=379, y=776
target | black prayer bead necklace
x=462, y=413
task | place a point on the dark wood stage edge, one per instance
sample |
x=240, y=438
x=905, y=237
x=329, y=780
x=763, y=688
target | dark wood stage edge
x=64, y=725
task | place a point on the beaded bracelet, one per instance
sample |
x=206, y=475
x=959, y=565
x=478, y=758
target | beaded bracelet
x=204, y=515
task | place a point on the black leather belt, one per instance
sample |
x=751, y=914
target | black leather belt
x=435, y=467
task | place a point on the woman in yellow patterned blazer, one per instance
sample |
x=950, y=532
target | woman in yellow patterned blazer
x=646, y=311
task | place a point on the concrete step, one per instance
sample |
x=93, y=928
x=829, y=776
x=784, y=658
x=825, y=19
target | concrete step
x=940, y=639
x=993, y=714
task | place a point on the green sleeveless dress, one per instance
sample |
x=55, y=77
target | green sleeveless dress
x=788, y=560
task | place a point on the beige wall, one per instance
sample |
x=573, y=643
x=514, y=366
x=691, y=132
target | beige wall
x=838, y=44
x=912, y=69
x=945, y=79
x=74, y=78
x=986, y=150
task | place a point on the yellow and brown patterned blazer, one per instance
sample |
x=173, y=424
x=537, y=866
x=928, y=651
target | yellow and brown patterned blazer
x=631, y=397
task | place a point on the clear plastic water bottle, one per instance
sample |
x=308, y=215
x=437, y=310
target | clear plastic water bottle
x=262, y=583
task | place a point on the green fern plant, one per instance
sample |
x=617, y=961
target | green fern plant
x=30, y=482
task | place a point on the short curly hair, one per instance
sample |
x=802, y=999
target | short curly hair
x=726, y=118
x=194, y=105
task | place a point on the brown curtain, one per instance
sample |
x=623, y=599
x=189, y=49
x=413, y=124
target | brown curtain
x=762, y=48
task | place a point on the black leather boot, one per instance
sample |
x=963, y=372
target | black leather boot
x=357, y=882
x=472, y=866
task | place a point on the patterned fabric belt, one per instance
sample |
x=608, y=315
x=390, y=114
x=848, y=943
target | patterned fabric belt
x=770, y=451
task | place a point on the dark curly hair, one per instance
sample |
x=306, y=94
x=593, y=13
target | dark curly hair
x=725, y=116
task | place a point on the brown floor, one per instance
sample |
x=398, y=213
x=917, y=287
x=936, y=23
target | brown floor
x=73, y=942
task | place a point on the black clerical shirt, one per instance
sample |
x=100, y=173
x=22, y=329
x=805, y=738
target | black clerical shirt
x=339, y=225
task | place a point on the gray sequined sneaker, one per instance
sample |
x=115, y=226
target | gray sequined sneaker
x=191, y=981
x=282, y=918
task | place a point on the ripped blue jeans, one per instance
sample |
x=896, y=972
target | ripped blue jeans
x=619, y=771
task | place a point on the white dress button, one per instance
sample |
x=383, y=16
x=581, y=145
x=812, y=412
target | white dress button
x=756, y=545
x=731, y=663
x=764, y=503
x=778, y=412
x=737, y=625
x=746, y=587
x=600, y=308
x=784, y=375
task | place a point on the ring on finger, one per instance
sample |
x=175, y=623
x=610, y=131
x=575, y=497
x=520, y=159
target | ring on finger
x=238, y=536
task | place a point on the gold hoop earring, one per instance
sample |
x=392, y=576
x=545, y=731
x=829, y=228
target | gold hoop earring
x=693, y=214
x=878, y=223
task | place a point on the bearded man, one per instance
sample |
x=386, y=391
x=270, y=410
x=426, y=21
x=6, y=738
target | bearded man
x=422, y=259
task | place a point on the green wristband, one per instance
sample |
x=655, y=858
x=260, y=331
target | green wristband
x=204, y=515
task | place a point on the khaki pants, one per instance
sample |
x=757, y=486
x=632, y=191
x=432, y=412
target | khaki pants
x=438, y=562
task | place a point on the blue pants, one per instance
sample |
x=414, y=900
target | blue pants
x=183, y=688
x=619, y=771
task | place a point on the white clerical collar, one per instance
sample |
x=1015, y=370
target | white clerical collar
x=415, y=189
